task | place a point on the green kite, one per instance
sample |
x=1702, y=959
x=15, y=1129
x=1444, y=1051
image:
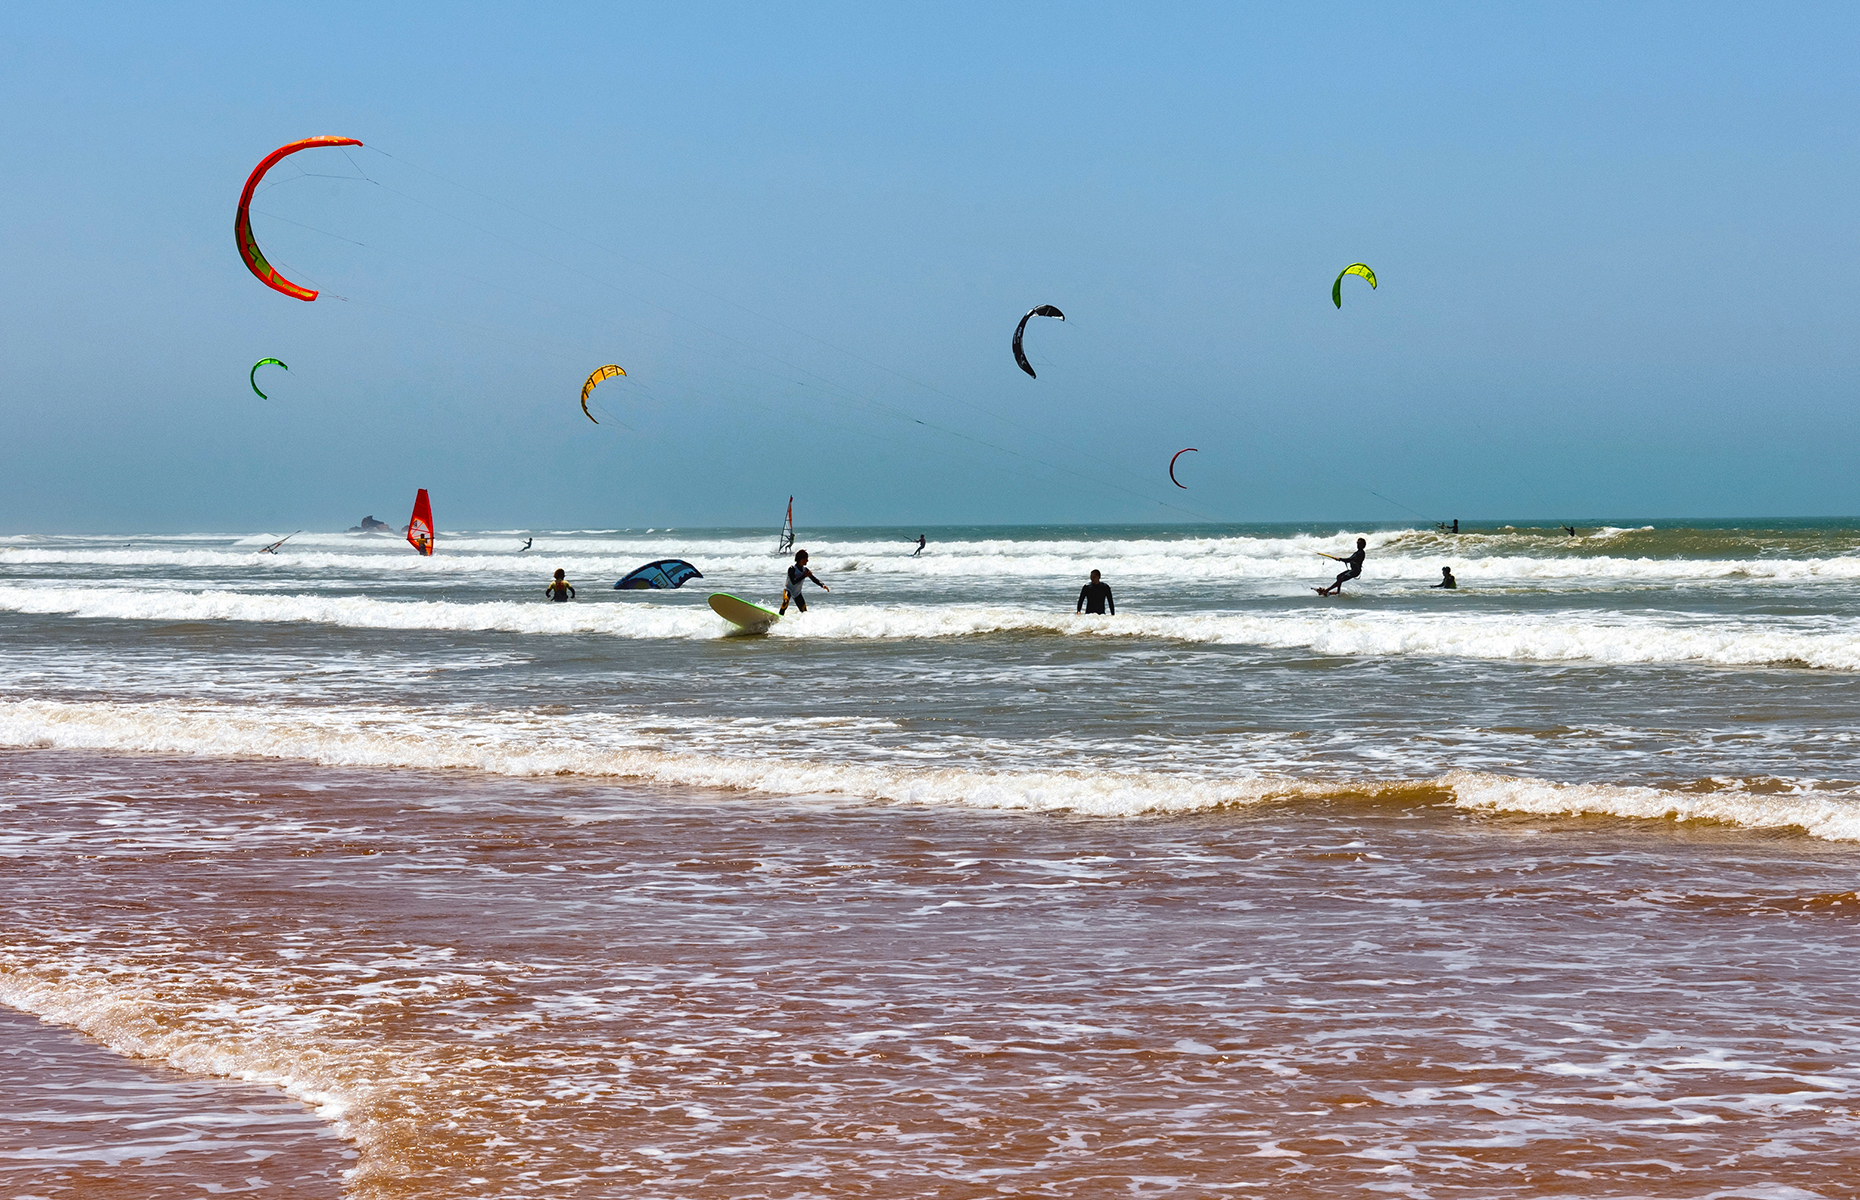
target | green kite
x=255, y=366
x=1336, y=289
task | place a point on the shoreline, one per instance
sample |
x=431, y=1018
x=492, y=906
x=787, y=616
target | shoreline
x=87, y=1121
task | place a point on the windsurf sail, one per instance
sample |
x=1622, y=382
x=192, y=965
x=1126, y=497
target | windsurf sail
x=273, y=548
x=787, y=531
x=420, y=525
x=665, y=573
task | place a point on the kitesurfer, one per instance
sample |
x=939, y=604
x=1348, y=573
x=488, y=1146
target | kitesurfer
x=1570, y=530
x=920, y=546
x=1446, y=579
x=561, y=590
x=1095, y=597
x=1354, y=563
x=526, y=544
x=798, y=575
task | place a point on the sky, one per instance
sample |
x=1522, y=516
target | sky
x=1614, y=244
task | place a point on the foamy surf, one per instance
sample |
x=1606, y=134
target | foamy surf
x=1648, y=638
x=527, y=745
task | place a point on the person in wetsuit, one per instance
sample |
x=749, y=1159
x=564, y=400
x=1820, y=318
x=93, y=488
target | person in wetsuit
x=798, y=575
x=1095, y=597
x=1354, y=563
x=920, y=546
x=561, y=589
x=1446, y=579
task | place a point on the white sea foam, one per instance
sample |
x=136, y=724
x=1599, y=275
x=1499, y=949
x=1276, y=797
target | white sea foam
x=1645, y=638
x=519, y=744
x=1833, y=816
x=596, y=746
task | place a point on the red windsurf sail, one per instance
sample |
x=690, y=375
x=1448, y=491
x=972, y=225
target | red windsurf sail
x=420, y=525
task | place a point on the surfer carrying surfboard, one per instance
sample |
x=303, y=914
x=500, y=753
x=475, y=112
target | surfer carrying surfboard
x=1354, y=563
x=798, y=574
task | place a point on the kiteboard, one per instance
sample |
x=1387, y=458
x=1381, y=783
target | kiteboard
x=741, y=612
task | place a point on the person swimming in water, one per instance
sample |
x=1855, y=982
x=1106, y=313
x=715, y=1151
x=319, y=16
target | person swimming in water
x=561, y=590
x=1354, y=563
x=798, y=575
x=1446, y=579
x=1095, y=597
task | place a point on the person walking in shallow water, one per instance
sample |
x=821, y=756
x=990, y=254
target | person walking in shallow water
x=1446, y=579
x=798, y=575
x=561, y=589
x=1354, y=563
x=1095, y=597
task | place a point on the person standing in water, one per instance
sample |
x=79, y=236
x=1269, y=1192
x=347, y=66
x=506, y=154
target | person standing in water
x=1095, y=597
x=1446, y=579
x=561, y=590
x=798, y=575
x=1354, y=563
x=920, y=546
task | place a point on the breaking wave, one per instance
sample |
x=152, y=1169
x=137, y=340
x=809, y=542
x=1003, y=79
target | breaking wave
x=1646, y=638
x=522, y=744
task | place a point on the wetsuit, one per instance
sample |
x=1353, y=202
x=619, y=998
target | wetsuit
x=561, y=590
x=1447, y=580
x=1096, y=597
x=797, y=575
x=1355, y=563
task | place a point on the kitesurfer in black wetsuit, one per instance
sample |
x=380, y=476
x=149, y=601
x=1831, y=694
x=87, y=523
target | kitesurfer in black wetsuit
x=1095, y=597
x=1354, y=562
x=1446, y=579
x=561, y=589
x=920, y=546
x=526, y=544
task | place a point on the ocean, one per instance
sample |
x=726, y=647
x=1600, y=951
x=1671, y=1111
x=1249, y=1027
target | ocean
x=343, y=871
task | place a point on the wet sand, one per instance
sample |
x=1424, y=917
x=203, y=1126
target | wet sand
x=83, y=1121
x=553, y=988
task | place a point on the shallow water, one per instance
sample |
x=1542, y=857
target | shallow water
x=81, y=1120
x=1546, y=887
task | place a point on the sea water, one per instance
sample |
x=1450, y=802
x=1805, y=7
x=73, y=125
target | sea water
x=1540, y=886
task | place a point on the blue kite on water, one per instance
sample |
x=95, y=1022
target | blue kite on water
x=666, y=573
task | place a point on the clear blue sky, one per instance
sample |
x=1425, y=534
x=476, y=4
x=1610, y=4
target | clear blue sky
x=1616, y=248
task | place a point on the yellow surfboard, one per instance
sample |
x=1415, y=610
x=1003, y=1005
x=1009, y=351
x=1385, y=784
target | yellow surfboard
x=741, y=612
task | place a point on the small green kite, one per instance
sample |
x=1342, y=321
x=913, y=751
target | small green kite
x=1336, y=289
x=255, y=366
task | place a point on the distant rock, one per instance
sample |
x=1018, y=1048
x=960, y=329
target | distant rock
x=370, y=525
